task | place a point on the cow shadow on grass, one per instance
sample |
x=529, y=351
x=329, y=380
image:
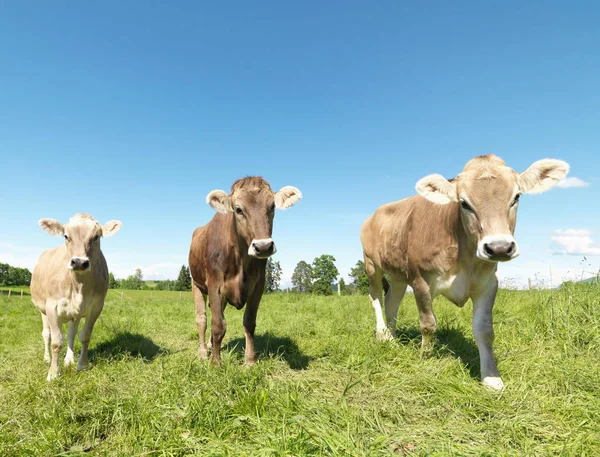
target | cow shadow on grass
x=127, y=345
x=269, y=345
x=448, y=341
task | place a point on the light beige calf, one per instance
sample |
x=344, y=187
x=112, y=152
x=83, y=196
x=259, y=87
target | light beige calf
x=69, y=283
x=448, y=241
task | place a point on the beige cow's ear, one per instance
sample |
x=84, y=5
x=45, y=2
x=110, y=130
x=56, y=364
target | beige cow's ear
x=542, y=176
x=287, y=197
x=111, y=227
x=219, y=201
x=52, y=226
x=437, y=189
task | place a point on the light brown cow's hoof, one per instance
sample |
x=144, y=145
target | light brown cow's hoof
x=384, y=335
x=203, y=354
x=52, y=374
x=249, y=363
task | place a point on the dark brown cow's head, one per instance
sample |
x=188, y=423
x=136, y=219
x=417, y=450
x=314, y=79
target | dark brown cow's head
x=253, y=203
x=488, y=192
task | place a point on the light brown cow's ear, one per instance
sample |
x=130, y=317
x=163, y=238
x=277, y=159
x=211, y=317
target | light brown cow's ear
x=111, y=227
x=287, y=197
x=542, y=176
x=437, y=189
x=52, y=226
x=219, y=201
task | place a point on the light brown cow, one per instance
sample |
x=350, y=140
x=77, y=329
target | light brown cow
x=69, y=283
x=228, y=257
x=448, y=241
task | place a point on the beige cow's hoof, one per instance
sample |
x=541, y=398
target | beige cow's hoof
x=384, y=335
x=249, y=363
x=203, y=353
x=83, y=366
x=47, y=358
x=52, y=375
x=493, y=382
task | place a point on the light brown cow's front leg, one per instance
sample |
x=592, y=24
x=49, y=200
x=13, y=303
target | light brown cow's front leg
x=56, y=337
x=86, y=335
x=427, y=320
x=250, y=322
x=200, y=308
x=218, y=324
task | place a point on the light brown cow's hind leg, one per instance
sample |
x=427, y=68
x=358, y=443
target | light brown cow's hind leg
x=375, y=275
x=200, y=307
x=392, y=302
x=427, y=319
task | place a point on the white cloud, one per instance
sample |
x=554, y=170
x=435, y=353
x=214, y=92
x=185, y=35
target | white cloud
x=569, y=182
x=574, y=242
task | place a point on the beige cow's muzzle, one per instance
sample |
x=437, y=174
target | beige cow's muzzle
x=79, y=264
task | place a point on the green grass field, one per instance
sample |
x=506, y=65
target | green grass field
x=323, y=385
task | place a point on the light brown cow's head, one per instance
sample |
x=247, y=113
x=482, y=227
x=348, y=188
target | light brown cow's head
x=82, y=238
x=253, y=203
x=488, y=195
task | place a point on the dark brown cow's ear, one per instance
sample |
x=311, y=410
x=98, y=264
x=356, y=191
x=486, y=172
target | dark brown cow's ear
x=111, y=227
x=287, y=197
x=52, y=226
x=219, y=201
x=542, y=176
x=437, y=189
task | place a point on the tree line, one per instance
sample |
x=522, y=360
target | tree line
x=14, y=276
x=317, y=278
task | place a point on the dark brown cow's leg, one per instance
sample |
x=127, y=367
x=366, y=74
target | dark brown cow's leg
x=218, y=324
x=200, y=306
x=427, y=319
x=250, y=322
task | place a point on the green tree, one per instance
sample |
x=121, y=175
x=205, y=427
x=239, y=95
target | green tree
x=272, y=276
x=343, y=287
x=184, y=280
x=302, y=277
x=360, y=280
x=133, y=282
x=112, y=282
x=324, y=273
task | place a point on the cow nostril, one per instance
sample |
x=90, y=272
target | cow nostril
x=85, y=264
x=511, y=248
x=488, y=250
x=270, y=246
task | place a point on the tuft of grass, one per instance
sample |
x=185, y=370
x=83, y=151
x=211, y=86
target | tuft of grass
x=323, y=385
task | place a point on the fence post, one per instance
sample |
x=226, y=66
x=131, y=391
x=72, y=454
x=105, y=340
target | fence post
x=529, y=281
x=21, y=293
x=151, y=294
x=339, y=290
x=9, y=291
x=180, y=295
x=122, y=296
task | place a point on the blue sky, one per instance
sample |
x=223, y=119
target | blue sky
x=136, y=110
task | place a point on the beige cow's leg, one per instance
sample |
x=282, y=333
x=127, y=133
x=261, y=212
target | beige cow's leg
x=200, y=307
x=375, y=275
x=46, y=337
x=72, y=331
x=392, y=303
x=427, y=320
x=86, y=335
x=56, y=338
x=483, y=330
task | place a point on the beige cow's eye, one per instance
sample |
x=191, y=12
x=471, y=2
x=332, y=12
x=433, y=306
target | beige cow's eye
x=238, y=210
x=516, y=200
x=66, y=237
x=97, y=237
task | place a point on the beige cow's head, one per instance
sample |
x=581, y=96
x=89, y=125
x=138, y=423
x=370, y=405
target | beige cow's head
x=253, y=203
x=488, y=195
x=82, y=238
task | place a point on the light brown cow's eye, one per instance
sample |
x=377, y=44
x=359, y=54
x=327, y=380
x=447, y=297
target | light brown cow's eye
x=239, y=210
x=97, y=237
x=66, y=237
x=272, y=208
x=464, y=205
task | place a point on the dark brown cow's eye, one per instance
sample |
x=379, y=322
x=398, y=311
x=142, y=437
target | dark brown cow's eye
x=464, y=205
x=272, y=208
x=97, y=237
x=516, y=200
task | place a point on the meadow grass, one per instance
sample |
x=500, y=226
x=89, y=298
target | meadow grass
x=323, y=385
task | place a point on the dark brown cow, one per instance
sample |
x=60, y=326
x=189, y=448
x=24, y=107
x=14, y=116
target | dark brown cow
x=228, y=257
